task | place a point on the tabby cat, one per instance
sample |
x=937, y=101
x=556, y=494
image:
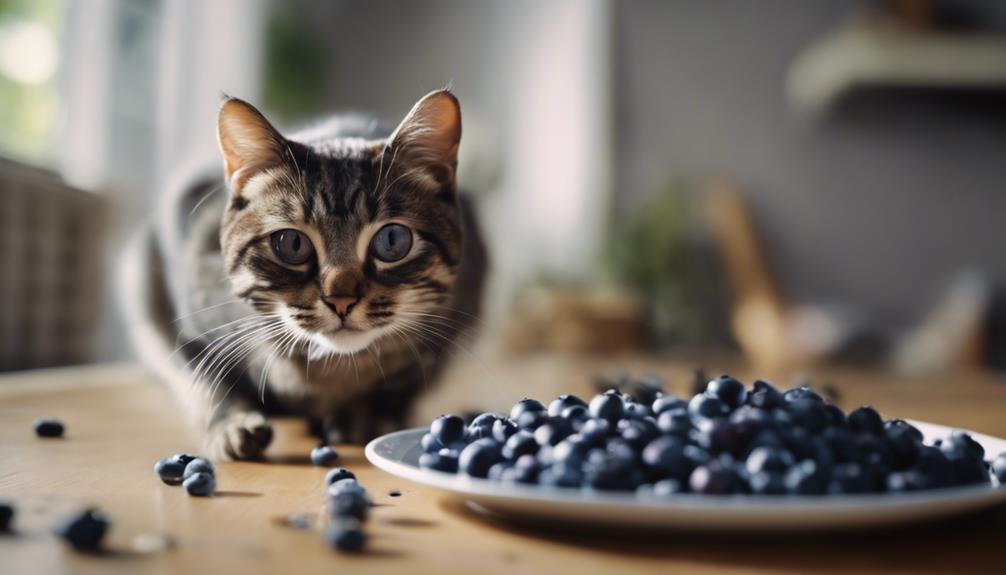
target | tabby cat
x=325, y=275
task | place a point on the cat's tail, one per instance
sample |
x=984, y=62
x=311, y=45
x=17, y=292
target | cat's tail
x=150, y=321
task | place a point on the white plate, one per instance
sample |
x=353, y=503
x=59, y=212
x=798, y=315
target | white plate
x=398, y=453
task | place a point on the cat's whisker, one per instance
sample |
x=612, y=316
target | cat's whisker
x=422, y=368
x=206, y=309
x=241, y=349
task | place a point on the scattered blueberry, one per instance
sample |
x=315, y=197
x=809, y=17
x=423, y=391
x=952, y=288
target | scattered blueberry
x=198, y=465
x=324, y=456
x=47, y=427
x=199, y=484
x=338, y=474
x=83, y=531
x=6, y=516
x=183, y=458
x=170, y=471
x=346, y=485
x=346, y=534
x=349, y=503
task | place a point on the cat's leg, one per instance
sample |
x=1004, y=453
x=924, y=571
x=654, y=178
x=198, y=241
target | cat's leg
x=237, y=431
x=380, y=411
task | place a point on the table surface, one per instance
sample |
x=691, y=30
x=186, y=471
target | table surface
x=119, y=421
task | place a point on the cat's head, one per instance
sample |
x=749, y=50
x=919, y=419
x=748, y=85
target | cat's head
x=343, y=240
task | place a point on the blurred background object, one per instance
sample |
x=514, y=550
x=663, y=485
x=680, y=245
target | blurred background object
x=794, y=183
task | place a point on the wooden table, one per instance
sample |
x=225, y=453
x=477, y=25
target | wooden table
x=119, y=422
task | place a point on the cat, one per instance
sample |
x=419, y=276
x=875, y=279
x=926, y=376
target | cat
x=326, y=275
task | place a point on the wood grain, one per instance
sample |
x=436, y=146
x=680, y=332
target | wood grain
x=119, y=422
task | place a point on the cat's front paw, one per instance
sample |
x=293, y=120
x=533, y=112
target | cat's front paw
x=239, y=435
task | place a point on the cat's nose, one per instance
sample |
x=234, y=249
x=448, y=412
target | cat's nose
x=341, y=305
x=342, y=289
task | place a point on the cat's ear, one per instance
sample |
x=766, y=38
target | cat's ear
x=426, y=142
x=248, y=142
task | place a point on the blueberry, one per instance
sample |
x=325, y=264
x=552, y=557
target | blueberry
x=664, y=457
x=808, y=413
x=482, y=426
x=696, y=455
x=766, y=438
x=902, y=481
x=521, y=443
x=638, y=432
x=503, y=429
x=865, y=420
x=674, y=422
x=850, y=478
x=6, y=516
x=445, y=460
x=573, y=449
x=715, y=479
x=608, y=406
x=666, y=487
x=771, y=459
x=967, y=469
x=476, y=459
x=595, y=431
x=834, y=415
x=802, y=392
x=904, y=445
x=806, y=478
x=610, y=472
x=765, y=395
x=999, y=468
x=83, y=531
x=576, y=415
x=448, y=429
x=183, y=458
x=499, y=470
x=963, y=443
x=564, y=402
x=47, y=427
x=553, y=431
x=666, y=403
x=561, y=475
x=531, y=420
x=199, y=484
x=526, y=405
x=198, y=465
x=349, y=504
x=170, y=471
x=346, y=535
x=324, y=456
x=728, y=390
x=348, y=485
x=429, y=444
x=842, y=444
x=338, y=474
x=934, y=466
x=901, y=424
x=767, y=483
x=526, y=469
x=707, y=407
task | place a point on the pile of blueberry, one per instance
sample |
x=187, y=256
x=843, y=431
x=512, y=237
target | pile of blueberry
x=348, y=507
x=728, y=439
x=196, y=474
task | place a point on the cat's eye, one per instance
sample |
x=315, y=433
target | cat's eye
x=292, y=247
x=391, y=243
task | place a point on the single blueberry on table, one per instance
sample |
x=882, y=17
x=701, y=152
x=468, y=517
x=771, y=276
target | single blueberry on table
x=608, y=406
x=199, y=485
x=183, y=458
x=564, y=402
x=346, y=534
x=346, y=485
x=521, y=443
x=865, y=420
x=526, y=405
x=338, y=474
x=47, y=427
x=476, y=459
x=448, y=429
x=707, y=407
x=6, y=516
x=349, y=504
x=170, y=471
x=83, y=531
x=728, y=390
x=198, y=465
